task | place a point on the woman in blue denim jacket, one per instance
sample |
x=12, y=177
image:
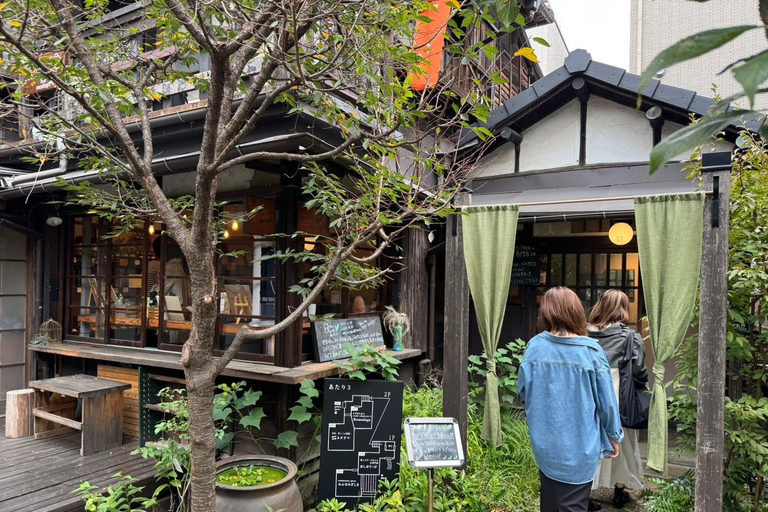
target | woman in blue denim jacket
x=570, y=404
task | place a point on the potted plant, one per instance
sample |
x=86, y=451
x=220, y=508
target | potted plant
x=257, y=483
x=398, y=324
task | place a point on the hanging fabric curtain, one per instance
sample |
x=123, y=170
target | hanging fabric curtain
x=669, y=239
x=489, y=246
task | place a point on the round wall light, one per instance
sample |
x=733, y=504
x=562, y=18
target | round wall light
x=621, y=233
x=54, y=221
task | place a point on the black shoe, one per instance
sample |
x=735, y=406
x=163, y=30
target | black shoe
x=593, y=506
x=620, y=497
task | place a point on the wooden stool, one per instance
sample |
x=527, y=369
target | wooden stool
x=18, y=413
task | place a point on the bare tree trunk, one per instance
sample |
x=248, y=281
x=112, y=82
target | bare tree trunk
x=200, y=371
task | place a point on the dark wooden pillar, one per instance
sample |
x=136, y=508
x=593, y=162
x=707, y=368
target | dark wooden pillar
x=414, y=287
x=716, y=170
x=456, y=341
x=288, y=342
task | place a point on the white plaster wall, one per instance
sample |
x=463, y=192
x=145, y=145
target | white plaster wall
x=553, y=142
x=670, y=128
x=616, y=133
x=498, y=163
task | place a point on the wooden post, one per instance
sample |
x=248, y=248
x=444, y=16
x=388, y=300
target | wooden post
x=18, y=413
x=716, y=170
x=456, y=341
x=414, y=287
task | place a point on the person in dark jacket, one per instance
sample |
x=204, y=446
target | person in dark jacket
x=607, y=325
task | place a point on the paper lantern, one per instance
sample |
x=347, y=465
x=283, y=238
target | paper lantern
x=621, y=233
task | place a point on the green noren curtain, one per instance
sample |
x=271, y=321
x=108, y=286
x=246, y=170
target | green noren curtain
x=489, y=246
x=669, y=239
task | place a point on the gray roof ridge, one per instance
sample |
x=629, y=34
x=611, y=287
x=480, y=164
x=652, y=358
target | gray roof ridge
x=580, y=63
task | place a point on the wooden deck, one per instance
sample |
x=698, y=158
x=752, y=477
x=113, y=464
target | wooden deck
x=39, y=476
x=172, y=360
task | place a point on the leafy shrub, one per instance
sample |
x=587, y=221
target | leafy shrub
x=676, y=495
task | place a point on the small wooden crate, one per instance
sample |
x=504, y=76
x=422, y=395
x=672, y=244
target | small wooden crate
x=130, y=396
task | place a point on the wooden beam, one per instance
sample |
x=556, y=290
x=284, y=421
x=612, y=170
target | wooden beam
x=456, y=340
x=712, y=335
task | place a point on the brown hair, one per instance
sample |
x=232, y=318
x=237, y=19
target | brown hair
x=612, y=308
x=561, y=312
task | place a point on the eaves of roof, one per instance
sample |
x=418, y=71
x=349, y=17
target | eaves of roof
x=553, y=90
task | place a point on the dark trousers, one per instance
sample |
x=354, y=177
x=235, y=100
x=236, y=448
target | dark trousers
x=561, y=497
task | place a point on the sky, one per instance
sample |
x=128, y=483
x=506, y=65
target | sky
x=599, y=26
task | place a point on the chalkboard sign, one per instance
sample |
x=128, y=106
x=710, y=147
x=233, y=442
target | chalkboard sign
x=433, y=442
x=360, y=441
x=525, y=265
x=331, y=336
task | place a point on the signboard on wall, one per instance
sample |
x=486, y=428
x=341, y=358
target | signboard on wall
x=525, y=266
x=332, y=337
x=360, y=441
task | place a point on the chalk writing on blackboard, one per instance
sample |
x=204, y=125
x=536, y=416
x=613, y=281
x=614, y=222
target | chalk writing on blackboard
x=526, y=266
x=433, y=442
x=332, y=337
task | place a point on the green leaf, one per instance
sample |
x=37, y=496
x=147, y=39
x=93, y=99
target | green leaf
x=287, y=439
x=299, y=414
x=689, y=48
x=225, y=440
x=752, y=73
x=249, y=398
x=305, y=401
x=253, y=419
x=691, y=137
x=220, y=414
x=507, y=11
x=308, y=388
x=542, y=41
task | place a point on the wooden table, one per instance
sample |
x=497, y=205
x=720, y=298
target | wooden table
x=56, y=401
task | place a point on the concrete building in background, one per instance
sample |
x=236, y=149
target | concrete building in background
x=658, y=24
x=553, y=57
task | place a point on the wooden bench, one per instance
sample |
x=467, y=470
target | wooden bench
x=56, y=402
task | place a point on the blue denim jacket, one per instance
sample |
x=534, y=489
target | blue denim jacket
x=570, y=405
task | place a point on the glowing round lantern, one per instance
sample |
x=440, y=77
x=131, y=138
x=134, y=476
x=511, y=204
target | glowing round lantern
x=621, y=233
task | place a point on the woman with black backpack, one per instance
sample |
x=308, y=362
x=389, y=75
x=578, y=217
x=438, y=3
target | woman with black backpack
x=607, y=326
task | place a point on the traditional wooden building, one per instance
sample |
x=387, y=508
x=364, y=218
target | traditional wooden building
x=573, y=151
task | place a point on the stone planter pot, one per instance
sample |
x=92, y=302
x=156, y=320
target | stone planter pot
x=283, y=494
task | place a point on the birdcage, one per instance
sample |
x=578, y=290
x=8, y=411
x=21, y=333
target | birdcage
x=52, y=329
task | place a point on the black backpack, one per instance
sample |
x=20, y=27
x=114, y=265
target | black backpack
x=634, y=397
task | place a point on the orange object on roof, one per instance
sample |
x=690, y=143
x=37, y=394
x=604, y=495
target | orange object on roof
x=430, y=42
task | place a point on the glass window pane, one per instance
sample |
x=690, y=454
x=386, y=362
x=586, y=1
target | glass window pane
x=86, y=322
x=557, y=270
x=633, y=269
x=585, y=294
x=570, y=270
x=87, y=231
x=13, y=245
x=614, y=275
x=601, y=268
x=13, y=277
x=585, y=270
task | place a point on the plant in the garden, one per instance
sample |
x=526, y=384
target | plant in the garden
x=746, y=406
x=122, y=496
x=508, y=361
x=367, y=360
x=335, y=67
x=670, y=495
x=236, y=411
x=750, y=71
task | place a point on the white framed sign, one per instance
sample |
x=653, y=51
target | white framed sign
x=433, y=443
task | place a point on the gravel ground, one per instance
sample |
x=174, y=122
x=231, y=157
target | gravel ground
x=604, y=496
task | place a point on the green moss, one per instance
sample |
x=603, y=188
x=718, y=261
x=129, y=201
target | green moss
x=250, y=476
